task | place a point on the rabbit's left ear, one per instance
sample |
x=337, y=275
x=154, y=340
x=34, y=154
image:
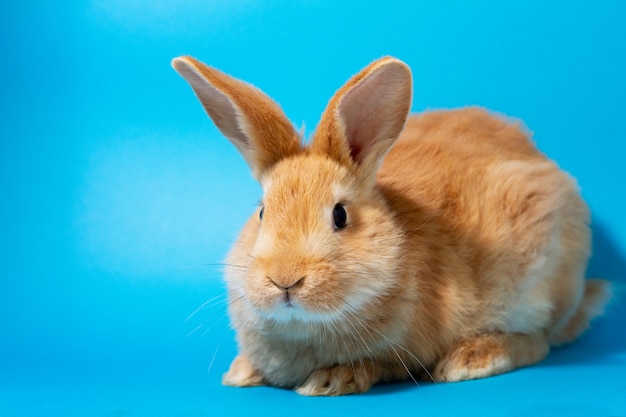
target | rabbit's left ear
x=366, y=116
x=251, y=120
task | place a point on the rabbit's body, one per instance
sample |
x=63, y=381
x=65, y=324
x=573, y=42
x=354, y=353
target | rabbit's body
x=486, y=187
x=461, y=257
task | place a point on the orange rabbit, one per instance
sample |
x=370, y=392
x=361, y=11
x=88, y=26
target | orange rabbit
x=442, y=244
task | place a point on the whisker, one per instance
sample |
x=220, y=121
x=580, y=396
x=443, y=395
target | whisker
x=223, y=310
x=225, y=315
x=236, y=299
x=391, y=345
x=336, y=336
x=219, y=344
x=206, y=304
x=417, y=229
x=194, y=330
x=342, y=253
x=215, y=264
x=352, y=330
x=354, y=335
x=328, y=256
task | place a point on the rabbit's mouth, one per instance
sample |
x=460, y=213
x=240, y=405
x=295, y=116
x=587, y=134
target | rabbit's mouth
x=292, y=311
x=287, y=299
x=288, y=305
x=299, y=305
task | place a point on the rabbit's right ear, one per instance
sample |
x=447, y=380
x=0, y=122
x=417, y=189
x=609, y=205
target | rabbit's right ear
x=252, y=121
x=365, y=117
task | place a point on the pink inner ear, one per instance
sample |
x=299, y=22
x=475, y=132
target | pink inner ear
x=366, y=116
x=355, y=151
x=363, y=110
x=361, y=123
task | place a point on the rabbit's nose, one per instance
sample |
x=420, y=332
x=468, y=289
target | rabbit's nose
x=286, y=282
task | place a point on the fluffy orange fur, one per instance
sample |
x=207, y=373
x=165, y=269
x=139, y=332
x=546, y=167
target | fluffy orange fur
x=462, y=257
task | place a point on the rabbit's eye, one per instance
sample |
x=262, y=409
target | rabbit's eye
x=261, y=213
x=339, y=216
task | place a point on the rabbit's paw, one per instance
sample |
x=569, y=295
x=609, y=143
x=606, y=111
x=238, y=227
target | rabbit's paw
x=338, y=380
x=490, y=354
x=242, y=374
x=470, y=365
x=472, y=359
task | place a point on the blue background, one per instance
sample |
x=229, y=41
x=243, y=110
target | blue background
x=118, y=197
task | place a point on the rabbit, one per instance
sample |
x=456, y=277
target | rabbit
x=393, y=247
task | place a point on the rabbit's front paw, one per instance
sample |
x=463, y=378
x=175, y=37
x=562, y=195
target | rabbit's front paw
x=242, y=374
x=338, y=380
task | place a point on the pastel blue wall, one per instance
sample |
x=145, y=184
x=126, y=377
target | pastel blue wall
x=118, y=197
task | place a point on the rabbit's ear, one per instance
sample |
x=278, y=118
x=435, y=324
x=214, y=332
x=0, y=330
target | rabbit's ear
x=252, y=121
x=366, y=116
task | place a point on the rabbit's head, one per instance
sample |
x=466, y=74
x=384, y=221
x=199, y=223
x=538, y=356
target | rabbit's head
x=323, y=243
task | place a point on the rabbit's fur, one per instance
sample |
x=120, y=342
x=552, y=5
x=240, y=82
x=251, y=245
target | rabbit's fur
x=462, y=255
